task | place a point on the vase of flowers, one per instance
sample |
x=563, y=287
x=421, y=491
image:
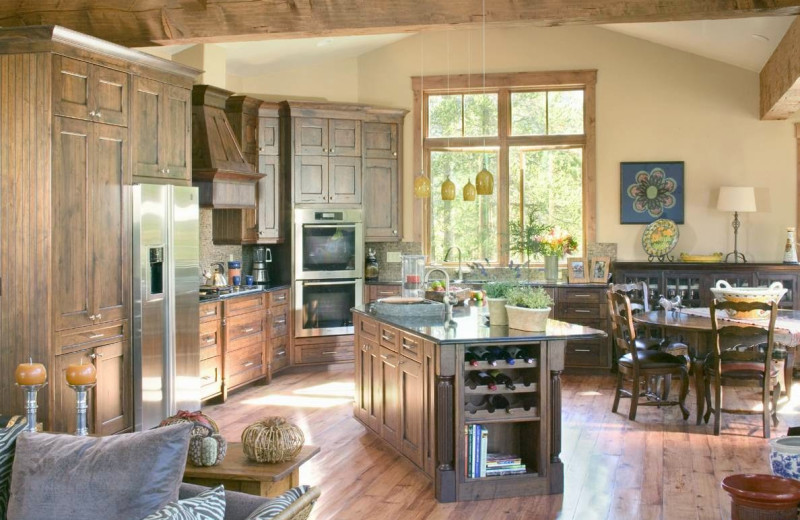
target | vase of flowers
x=553, y=245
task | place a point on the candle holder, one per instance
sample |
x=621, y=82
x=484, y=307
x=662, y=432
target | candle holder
x=31, y=405
x=81, y=428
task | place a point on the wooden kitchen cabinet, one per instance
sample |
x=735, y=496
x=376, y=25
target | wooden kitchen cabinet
x=410, y=392
x=329, y=137
x=323, y=180
x=90, y=225
x=162, y=123
x=585, y=305
x=388, y=382
x=83, y=90
x=374, y=292
x=110, y=401
x=382, y=185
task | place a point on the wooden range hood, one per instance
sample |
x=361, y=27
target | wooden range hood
x=219, y=170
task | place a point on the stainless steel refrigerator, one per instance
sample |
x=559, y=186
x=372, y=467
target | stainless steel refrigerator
x=166, y=277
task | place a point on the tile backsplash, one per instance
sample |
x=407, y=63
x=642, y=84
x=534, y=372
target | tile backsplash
x=210, y=252
x=391, y=271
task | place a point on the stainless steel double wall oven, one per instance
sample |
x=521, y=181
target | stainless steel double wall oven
x=328, y=270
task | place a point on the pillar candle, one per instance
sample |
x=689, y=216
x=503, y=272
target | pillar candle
x=81, y=374
x=30, y=374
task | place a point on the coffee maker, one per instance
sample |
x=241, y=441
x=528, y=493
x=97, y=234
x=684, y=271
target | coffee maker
x=262, y=256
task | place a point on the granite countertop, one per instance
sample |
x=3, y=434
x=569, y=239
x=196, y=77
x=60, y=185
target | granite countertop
x=264, y=288
x=541, y=283
x=469, y=326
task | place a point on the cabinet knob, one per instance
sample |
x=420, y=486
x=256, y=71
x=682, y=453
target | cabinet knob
x=332, y=150
x=91, y=114
x=167, y=171
x=324, y=150
x=394, y=231
x=92, y=317
x=98, y=115
x=95, y=355
x=99, y=317
x=394, y=154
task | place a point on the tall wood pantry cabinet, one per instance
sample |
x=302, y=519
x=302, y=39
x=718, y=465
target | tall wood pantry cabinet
x=72, y=126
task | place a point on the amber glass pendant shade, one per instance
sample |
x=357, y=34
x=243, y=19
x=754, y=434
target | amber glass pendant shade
x=484, y=182
x=469, y=191
x=422, y=186
x=448, y=190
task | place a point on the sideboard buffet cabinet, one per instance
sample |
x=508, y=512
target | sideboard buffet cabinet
x=418, y=388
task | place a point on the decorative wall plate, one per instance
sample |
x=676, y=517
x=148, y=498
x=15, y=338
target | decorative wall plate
x=659, y=238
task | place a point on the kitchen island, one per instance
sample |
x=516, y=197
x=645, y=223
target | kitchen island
x=411, y=390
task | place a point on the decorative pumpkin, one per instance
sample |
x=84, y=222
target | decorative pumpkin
x=200, y=419
x=272, y=439
x=207, y=450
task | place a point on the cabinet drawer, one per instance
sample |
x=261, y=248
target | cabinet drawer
x=574, y=311
x=579, y=295
x=210, y=337
x=389, y=337
x=280, y=297
x=377, y=292
x=244, y=304
x=210, y=311
x=367, y=328
x=279, y=324
x=411, y=346
x=326, y=354
x=244, y=365
x=210, y=376
x=280, y=353
x=588, y=353
x=245, y=325
x=90, y=336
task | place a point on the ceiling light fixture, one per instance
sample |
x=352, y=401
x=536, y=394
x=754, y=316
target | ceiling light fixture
x=484, y=182
x=422, y=184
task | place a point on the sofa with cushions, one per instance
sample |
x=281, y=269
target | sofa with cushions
x=135, y=476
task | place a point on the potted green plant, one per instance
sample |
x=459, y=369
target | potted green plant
x=528, y=308
x=496, y=300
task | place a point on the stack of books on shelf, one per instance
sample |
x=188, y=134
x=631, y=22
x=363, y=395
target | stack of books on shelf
x=480, y=463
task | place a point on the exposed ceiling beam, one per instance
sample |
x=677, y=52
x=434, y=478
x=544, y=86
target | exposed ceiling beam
x=137, y=23
x=780, y=77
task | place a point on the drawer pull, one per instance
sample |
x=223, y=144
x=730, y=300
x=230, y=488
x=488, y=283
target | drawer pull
x=387, y=293
x=95, y=336
x=280, y=353
x=248, y=364
x=388, y=337
x=411, y=346
x=582, y=350
x=581, y=295
x=583, y=311
x=328, y=352
x=384, y=356
x=248, y=329
x=281, y=321
x=210, y=313
x=281, y=298
x=209, y=339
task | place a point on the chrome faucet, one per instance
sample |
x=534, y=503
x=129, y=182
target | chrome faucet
x=448, y=305
x=459, y=271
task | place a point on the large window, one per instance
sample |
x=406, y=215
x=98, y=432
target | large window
x=534, y=132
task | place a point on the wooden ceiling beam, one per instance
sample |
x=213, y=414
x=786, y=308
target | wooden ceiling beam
x=137, y=23
x=780, y=78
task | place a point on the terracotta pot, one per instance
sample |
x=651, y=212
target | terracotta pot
x=762, y=497
x=497, y=311
x=527, y=319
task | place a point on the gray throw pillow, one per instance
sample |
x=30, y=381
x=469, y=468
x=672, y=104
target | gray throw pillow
x=275, y=506
x=8, y=439
x=208, y=505
x=125, y=477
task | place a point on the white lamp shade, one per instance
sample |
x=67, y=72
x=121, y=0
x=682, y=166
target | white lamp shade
x=734, y=198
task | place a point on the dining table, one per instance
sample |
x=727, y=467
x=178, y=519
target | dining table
x=693, y=325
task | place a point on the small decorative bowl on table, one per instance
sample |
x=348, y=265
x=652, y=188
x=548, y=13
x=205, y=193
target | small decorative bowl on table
x=724, y=292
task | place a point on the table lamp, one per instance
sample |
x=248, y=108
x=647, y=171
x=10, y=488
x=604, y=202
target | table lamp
x=736, y=199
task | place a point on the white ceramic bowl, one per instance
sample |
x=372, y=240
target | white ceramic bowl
x=784, y=457
x=724, y=292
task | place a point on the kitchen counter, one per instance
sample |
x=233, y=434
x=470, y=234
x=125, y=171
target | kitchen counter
x=469, y=326
x=236, y=294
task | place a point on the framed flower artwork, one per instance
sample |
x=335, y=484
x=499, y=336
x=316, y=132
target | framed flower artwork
x=650, y=191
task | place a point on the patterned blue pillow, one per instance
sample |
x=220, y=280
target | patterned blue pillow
x=8, y=441
x=208, y=505
x=277, y=504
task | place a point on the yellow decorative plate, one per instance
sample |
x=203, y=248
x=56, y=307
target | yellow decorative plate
x=660, y=237
x=712, y=258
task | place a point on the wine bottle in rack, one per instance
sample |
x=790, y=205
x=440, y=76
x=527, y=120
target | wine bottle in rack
x=528, y=402
x=521, y=353
x=487, y=356
x=502, y=353
x=476, y=379
x=471, y=358
x=499, y=402
x=502, y=379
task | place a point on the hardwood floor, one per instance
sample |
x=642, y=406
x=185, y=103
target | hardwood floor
x=658, y=467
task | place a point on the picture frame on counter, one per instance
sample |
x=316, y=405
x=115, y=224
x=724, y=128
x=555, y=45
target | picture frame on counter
x=577, y=270
x=598, y=269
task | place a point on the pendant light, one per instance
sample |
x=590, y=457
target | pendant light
x=448, y=189
x=422, y=183
x=469, y=191
x=484, y=181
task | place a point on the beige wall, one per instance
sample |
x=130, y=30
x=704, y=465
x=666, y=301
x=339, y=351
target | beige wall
x=653, y=103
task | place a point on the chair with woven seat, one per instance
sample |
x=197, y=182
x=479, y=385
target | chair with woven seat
x=747, y=363
x=637, y=364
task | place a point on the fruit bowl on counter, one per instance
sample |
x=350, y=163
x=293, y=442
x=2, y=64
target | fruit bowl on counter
x=460, y=294
x=723, y=291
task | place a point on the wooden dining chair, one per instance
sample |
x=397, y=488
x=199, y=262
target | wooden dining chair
x=747, y=363
x=636, y=365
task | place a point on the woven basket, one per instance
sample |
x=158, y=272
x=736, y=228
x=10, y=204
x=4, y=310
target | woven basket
x=272, y=440
x=724, y=292
x=202, y=422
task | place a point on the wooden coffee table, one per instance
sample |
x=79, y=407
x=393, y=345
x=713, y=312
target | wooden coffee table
x=238, y=473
